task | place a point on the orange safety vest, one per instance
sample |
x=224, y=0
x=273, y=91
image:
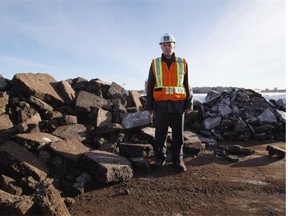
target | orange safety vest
x=169, y=83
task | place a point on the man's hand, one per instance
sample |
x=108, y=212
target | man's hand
x=188, y=111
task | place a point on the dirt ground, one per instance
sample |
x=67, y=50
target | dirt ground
x=211, y=186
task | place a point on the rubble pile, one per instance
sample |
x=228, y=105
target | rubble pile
x=241, y=114
x=58, y=139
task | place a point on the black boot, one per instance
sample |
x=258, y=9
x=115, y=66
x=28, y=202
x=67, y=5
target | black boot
x=180, y=166
x=159, y=164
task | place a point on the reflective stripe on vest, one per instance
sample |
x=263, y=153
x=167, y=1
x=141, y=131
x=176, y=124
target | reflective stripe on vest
x=180, y=70
x=173, y=89
x=158, y=72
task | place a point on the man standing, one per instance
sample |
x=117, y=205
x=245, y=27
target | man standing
x=168, y=97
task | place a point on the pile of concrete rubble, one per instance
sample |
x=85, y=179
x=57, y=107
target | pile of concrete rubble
x=57, y=139
x=241, y=114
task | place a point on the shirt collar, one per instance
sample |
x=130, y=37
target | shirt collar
x=166, y=59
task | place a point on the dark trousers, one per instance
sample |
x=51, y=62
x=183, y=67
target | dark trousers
x=162, y=122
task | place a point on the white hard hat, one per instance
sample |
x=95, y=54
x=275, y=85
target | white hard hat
x=166, y=38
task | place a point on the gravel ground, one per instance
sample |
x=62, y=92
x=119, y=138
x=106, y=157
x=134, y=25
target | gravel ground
x=211, y=186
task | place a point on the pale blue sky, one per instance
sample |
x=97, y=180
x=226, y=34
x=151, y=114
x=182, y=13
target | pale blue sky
x=237, y=43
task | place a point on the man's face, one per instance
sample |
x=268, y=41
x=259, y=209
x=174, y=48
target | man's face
x=168, y=48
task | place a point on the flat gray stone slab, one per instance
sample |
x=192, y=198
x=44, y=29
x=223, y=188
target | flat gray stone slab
x=106, y=167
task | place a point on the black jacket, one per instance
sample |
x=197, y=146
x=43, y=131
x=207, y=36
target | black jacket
x=168, y=106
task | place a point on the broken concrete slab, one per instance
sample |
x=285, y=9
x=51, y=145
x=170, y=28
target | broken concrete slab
x=132, y=150
x=224, y=110
x=68, y=149
x=211, y=122
x=212, y=97
x=111, y=128
x=71, y=131
x=42, y=105
x=28, y=115
x=86, y=102
x=274, y=150
x=34, y=141
x=106, y=167
x=136, y=99
x=147, y=133
x=67, y=92
x=42, y=86
x=21, y=162
x=140, y=164
x=15, y=205
x=116, y=89
x=7, y=134
x=267, y=117
x=103, y=117
x=138, y=119
x=4, y=101
x=9, y=185
x=208, y=141
x=71, y=119
x=232, y=158
x=192, y=143
x=82, y=182
x=5, y=122
x=119, y=110
x=237, y=150
x=97, y=86
x=189, y=134
x=240, y=125
x=109, y=147
x=282, y=115
x=48, y=200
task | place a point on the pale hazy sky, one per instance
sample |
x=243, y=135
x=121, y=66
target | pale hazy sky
x=237, y=43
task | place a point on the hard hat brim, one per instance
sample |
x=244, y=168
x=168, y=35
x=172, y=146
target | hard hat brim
x=167, y=42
